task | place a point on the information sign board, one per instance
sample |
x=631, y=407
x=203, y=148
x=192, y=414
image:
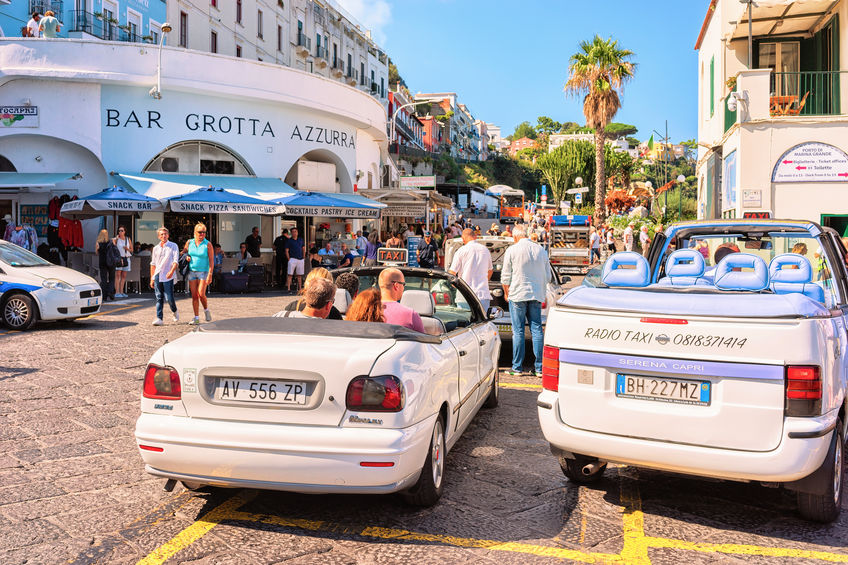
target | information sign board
x=812, y=162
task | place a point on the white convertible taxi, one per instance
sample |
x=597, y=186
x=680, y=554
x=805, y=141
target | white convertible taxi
x=722, y=355
x=32, y=289
x=323, y=406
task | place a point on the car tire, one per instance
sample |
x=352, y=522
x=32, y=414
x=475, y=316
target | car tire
x=428, y=489
x=494, y=394
x=825, y=507
x=573, y=469
x=19, y=312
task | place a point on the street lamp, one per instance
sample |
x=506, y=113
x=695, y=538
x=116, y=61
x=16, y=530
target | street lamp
x=156, y=91
x=680, y=180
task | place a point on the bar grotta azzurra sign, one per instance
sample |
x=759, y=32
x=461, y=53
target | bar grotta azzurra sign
x=812, y=162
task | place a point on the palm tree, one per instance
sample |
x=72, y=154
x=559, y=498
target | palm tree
x=599, y=70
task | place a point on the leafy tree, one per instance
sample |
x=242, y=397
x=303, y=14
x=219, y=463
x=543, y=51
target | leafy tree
x=569, y=127
x=598, y=71
x=691, y=146
x=545, y=125
x=616, y=130
x=632, y=141
x=394, y=75
x=445, y=166
x=561, y=166
x=524, y=129
x=620, y=167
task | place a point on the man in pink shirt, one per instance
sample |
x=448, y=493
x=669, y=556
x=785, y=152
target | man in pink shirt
x=392, y=283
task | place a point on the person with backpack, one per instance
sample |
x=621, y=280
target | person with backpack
x=108, y=259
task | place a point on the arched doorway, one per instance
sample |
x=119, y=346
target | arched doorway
x=7, y=207
x=341, y=179
x=197, y=157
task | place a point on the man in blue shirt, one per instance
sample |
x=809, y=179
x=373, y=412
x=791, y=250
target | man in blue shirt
x=294, y=255
x=524, y=276
x=346, y=257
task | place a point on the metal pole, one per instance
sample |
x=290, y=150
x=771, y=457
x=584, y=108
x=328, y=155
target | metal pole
x=750, y=39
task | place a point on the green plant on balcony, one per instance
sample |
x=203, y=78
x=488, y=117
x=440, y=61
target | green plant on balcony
x=731, y=84
x=147, y=38
x=98, y=15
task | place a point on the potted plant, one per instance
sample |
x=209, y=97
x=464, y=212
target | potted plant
x=98, y=15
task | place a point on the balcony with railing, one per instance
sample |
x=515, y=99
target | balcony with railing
x=805, y=93
x=98, y=26
x=304, y=44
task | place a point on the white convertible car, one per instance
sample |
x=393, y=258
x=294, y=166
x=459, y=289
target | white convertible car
x=323, y=406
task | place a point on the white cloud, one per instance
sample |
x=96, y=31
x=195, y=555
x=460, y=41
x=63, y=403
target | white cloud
x=375, y=15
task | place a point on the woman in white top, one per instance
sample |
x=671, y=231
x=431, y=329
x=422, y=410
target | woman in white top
x=610, y=240
x=125, y=247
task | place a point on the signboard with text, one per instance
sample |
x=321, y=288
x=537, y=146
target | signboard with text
x=410, y=210
x=332, y=212
x=18, y=116
x=392, y=256
x=577, y=190
x=418, y=182
x=756, y=215
x=812, y=162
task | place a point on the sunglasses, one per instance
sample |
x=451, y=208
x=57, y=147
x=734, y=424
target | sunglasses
x=204, y=231
x=401, y=283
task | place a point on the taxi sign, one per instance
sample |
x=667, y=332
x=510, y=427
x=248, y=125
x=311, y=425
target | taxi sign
x=392, y=256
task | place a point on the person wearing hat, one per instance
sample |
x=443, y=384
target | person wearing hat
x=428, y=251
x=628, y=236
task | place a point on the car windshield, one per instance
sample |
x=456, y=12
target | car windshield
x=15, y=256
x=451, y=306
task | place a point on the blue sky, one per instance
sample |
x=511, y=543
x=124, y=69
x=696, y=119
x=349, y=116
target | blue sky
x=508, y=61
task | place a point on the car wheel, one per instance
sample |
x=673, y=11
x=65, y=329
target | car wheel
x=825, y=507
x=574, y=469
x=428, y=489
x=19, y=312
x=494, y=394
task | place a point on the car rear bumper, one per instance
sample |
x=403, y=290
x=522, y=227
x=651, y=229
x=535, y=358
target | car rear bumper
x=796, y=456
x=283, y=457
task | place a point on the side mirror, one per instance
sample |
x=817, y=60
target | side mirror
x=495, y=312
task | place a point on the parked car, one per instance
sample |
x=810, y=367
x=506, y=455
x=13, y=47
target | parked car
x=324, y=406
x=497, y=246
x=732, y=368
x=33, y=289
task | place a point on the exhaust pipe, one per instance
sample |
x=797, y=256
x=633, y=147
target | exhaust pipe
x=590, y=468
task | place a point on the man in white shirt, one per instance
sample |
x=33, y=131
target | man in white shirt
x=361, y=243
x=628, y=236
x=473, y=264
x=644, y=240
x=34, y=24
x=595, y=245
x=164, y=260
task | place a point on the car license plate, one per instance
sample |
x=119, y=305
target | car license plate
x=254, y=390
x=662, y=389
x=93, y=301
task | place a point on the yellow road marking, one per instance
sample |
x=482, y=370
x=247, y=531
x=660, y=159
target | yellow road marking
x=741, y=549
x=634, y=549
x=520, y=385
x=110, y=311
x=198, y=529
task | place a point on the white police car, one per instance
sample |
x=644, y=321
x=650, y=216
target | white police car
x=32, y=288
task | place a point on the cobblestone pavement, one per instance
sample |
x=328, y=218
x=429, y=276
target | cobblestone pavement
x=72, y=488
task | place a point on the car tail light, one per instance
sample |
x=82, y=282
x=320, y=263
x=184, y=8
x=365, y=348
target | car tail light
x=162, y=383
x=151, y=448
x=550, y=368
x=375, y=394
x=803, y=390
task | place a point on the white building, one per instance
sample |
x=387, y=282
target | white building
x=558, y=139
x=93, y=116
x=495, y=137
x=772, y=135
x=316, y=36
x=484, y=140
x=460, y=131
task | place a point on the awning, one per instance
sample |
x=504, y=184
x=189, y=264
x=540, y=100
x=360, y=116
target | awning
x=112, y=200
x=209, y=200
x=330, y=205
x=408, y=202
x=168, y=185
x=34, y=180
x=780, y=17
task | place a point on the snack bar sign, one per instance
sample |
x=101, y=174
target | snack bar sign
x=18, y=116
x=812, y=162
